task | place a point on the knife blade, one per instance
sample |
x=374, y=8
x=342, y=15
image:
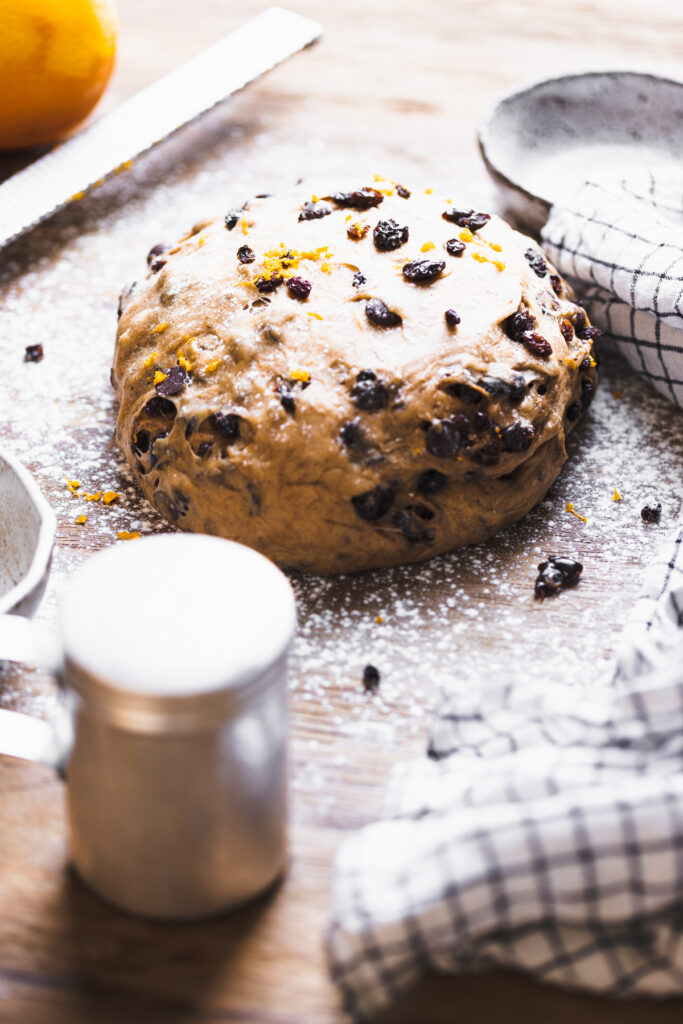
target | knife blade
x=107, y=146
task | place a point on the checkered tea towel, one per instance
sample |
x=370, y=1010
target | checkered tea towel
x=545, y=833
x=621, y=245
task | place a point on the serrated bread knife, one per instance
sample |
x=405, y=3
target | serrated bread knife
x=105, y=147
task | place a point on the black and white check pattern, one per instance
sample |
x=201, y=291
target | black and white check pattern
x=544, y=834
x=621, y=244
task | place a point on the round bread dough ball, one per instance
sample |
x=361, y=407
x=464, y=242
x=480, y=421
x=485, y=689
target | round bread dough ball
x=351, y=376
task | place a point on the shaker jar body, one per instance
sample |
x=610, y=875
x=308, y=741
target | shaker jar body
x=188, y=818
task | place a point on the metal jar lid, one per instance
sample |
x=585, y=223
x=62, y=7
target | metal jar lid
x=175, y=631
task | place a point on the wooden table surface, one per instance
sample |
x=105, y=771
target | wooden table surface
x=389, y=76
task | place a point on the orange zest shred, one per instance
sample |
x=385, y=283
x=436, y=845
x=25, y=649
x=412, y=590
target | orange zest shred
x=160, y=327
x=379, y=620
x=317, y=316
x=158, y=377
x=81, y=520
x=93, y=497
x=128, y=535
x=284, y=262
x=466, y=235
x=72, y=485
x=570, y=508
x=201, y=240
x=617, y=395
x=379, y=177
x=480, y=258
x=109, y=496
x=428, y=191
x=616, y=496
x=427, y=246
x=302, y=375
x=495, y=247
x=184, y=362
x=245, y=226
x=213, y=366
x=76, y=196
x=150, y=360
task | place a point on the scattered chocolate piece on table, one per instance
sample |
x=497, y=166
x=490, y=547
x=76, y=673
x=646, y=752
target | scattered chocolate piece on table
x=33, y=353
x=371, y=678
x=555, y=574
x=651, y=513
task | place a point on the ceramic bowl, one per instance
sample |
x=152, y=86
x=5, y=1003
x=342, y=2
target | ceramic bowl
x=27, y=533
x=542, y=141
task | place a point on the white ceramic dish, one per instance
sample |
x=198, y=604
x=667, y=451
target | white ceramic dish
x=27, y=533
x=543, y=140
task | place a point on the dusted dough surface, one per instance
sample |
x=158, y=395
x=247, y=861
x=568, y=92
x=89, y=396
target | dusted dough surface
x=242, y=412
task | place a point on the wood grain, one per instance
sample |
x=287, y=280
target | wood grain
x=422, y=74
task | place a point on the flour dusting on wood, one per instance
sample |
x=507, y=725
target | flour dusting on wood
x=463, y=619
